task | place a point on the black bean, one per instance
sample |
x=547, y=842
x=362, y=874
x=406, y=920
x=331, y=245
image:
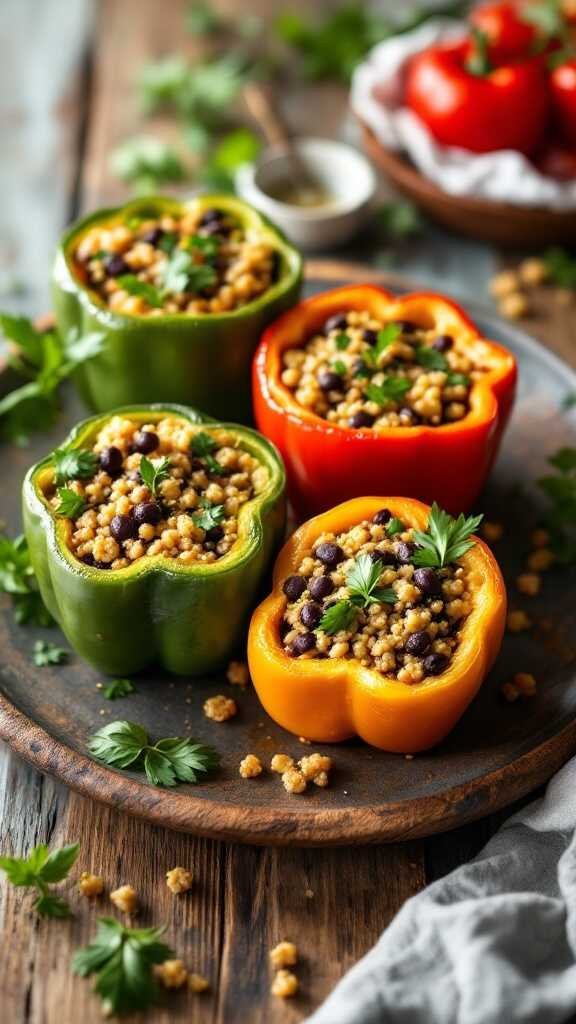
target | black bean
x=122, y=527
x=338, y=322
x=359, y=367
x=417, y=642
x=408, y=416
x=370, y=336
x=294, y=587
x=111, y=460
x=91, y=561
x=153, y=236
x=145, y=441
x=443, y=342
x=360, y=419
x=434, y=664
x=382, y=516
x=115, y=266
x=210, y=215
x=384, y=557
x=214, y=534
x=320, y=587
x=404, y=552
x=427, y=581
x=329, y=554
x=407, y=326
x=303, y=643
x=310, y=615
x=147, y=512
x=329, y=381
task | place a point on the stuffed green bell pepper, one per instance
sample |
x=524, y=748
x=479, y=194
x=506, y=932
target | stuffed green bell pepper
x=181, y=292
x=149, y=531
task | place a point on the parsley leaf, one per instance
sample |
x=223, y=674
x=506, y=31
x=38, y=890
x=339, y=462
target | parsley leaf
x=143, y=289
x=153, y=472
x=73, y=464
x=339, y=367
x=457, y=380
x=561, y=267
x=560, y=489
x=146, y=163
x=342, y=341
x=208, y=245
x=445, y=539
x=203, y=444
x=18, y=580
x=166, y=763
x=71, y=504
x=399, y=219
x=395, y=526
x=339, y=616
x=122, y=959
x=362, y=581
x=181, y=274
x=391, y=390
x=118, y=688
x=46, y=653
x=429, y=358
x=386, y=337
x=40, y=869
x=209, y=516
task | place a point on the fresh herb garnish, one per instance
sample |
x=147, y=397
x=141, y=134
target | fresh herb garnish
x=560, y=489
x=181, y=274
x=399, y=220
x=122, y=960
x=168, y=242
x=44, y=359
x=118, y=688
x=203, y=446
x=18, y=580
x=209, y=516
x=429, y=358
x=342, y=341
x=71, y=504
x=153, y=472
x=392, y=389
x=146, y=163
x=339, y=367
x=561, y=267
x=166, y=763
x=394, y=526
x=362, y=582
x=208, y=245
x=143, y=289
x=73, y=464
x=457, y=380
x=386, y=337
x=39, y=870
x=46, y=653
x=445, y=539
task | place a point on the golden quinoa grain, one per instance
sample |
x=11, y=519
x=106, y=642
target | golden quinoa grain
x=171, y=973
x=505, y=283
x=533, y=271
x=125, y=899
x=540, y=560
x=510, y=692
x=518, y=621
x=293, y=781
x=285, y=984
x=250, y=767
x=529, y=583
x=540, y=538
x=513, y=306
x=91, y=885
x=179, y=880
x=238, y=673
x=197, y=983
x=220, y=708
x=281, y=763
x=314, y=764
x=525, y=683
x=285, y=954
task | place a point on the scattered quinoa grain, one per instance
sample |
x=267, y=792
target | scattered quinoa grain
x=220, y=708
x=179, y=880
x=281, y=763
x=197, y=983
x=518, y=621
x=510, y=692
x=525, y=683
x=90, y=885
x=492, y=531
x=171, y=973
x=540, y=538
x=285, y=954
x=314, y=764
x=513, y=306
x=125, y=899
x=505, y=283
x=250, y=767
x=540, y=560
x=321, y=779
x=293, y=781
x=285, y=984
x=533, y=271
x=529, y=583
x=238, y=674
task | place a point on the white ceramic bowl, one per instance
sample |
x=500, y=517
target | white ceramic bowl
x=341, y=170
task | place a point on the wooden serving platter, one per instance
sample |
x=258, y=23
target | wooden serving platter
x=496, y=754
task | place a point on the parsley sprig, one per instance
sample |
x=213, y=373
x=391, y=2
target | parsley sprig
x=71, y=504
x=445, y=539
x=118, y=688
x=362, y=580
x=38, y=871
x=209, y=515
x=17, y=579
x=430, y=358
x=125, y=744
x=73, y=464
x=560, y=489
x=203, y=446
x=182, y=274
x=122, y=959
x=386, y=337
x=46, y=653
x=153, y=472
x=392, y=389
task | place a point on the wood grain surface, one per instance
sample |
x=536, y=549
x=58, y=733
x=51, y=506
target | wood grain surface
x=245, y=898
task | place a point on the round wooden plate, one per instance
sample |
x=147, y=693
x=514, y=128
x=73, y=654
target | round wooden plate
x=502, y=223
x=496, y=754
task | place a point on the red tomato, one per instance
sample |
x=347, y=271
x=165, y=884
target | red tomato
x=502, y=109
x=563, y=88
x=509, y=36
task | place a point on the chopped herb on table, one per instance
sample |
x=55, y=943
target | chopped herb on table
x=560, y=489
x=122, y=960
x=118, y=688
x=46, y=653
x=38, y=871
x=399, y=220
x=445, y=539
x=147, y=164
x=18, y=580
x=125, y=744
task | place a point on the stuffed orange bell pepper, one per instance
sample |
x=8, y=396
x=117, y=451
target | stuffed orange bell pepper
x=364, y=392
x=385, y=617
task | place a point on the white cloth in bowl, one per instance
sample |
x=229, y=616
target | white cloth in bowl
x=377, y=99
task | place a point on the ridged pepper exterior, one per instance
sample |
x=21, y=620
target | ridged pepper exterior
x=189, y=619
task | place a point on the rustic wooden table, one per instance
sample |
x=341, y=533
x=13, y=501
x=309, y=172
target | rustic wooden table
x=66, y=97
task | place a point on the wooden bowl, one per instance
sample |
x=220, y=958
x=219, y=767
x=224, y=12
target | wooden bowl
x=491, y=221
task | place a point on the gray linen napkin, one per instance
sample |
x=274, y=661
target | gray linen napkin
x=492, y=943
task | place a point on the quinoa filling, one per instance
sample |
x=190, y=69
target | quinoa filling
x=359, y=595
x=360, y=372
x=168, y=488
x=202, y=261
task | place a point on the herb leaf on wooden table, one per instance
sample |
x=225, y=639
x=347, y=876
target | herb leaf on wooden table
x=39, y=870
x=560, y=489
x=445, y=539
x=172, y=760
x=46, y=653
x=17, y=579
x=118, y=688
